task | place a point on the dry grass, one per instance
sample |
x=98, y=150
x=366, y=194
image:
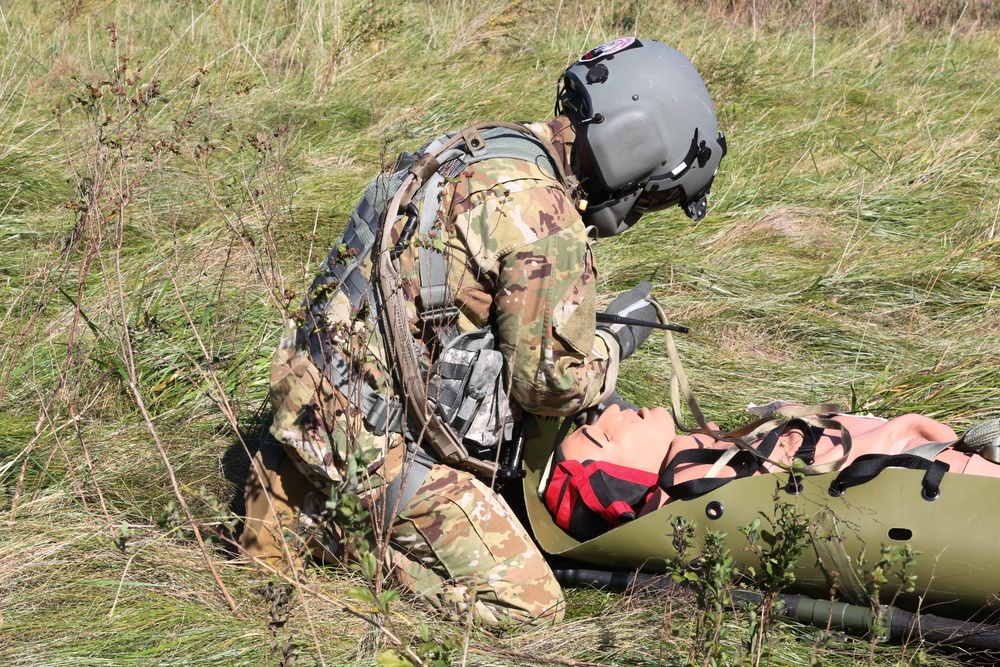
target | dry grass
x=850, y=254
x=935, y=14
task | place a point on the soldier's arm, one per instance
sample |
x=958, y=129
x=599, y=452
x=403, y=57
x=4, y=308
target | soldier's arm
x=545, y=303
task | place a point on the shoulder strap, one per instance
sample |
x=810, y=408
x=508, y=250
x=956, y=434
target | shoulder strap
x=400, y=491
x=982, y=438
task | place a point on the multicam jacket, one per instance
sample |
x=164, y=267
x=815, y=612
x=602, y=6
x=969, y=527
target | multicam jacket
x=519, y=259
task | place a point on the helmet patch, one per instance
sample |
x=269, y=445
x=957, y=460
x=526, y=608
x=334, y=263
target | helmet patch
x=608, y=48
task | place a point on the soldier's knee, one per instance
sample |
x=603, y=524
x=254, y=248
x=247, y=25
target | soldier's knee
x=502, y=609
x=532, y=602
x=538, y=613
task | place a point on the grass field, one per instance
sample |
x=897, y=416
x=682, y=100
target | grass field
x=172, y=173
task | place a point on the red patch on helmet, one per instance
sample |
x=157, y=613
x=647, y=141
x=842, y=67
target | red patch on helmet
x=608, y=48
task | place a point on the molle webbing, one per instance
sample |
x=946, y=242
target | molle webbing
x=453, y=153
x=340, y=273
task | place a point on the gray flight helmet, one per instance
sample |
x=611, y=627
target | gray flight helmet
x=647, y=136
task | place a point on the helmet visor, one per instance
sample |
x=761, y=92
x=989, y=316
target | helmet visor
x=656, y=200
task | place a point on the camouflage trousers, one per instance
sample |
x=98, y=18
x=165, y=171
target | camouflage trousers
x=456, y=544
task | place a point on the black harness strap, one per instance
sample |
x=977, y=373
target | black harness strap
x=746, y=463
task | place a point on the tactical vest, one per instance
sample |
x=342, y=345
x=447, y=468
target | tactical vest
x=458, y=406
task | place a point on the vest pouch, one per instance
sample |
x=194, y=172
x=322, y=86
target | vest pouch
x=465, y=387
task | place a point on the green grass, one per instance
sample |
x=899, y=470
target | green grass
x=850, y=253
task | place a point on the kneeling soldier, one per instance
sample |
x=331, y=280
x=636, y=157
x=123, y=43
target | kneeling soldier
x=461, y=297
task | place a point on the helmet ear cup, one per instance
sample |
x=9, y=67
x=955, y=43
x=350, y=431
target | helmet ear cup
x=625, y=147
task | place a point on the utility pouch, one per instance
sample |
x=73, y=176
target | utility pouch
x=465, y=387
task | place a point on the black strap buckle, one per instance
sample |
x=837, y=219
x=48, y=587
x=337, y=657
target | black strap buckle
x=384, y=415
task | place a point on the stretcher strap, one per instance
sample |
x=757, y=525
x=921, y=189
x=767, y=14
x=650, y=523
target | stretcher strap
x=869, y=466
x=747, y=463
x=744, y=438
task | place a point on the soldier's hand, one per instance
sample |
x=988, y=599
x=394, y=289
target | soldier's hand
x=614, y=398
x=632, y=304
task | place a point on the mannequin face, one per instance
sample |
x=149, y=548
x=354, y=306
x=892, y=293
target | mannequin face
x=626, y=438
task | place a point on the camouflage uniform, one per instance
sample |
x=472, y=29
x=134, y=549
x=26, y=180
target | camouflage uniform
x=519, y=259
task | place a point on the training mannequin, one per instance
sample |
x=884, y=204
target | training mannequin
x=611, y=470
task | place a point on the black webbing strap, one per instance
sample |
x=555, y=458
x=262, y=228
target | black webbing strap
x=866, y=468
x=746, y=462
x=810, y=439
x=811, y=433
x=400, y=491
